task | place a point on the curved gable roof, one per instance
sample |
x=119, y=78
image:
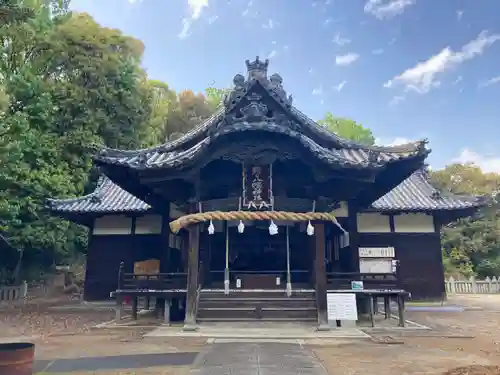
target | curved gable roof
x=327, y=145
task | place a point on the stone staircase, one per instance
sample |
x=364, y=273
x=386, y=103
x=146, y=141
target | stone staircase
x=215, y=306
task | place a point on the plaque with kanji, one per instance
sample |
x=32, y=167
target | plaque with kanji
x=257, y=194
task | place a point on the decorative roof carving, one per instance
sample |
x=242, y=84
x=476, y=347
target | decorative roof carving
x=257, y=69
x=252, y=93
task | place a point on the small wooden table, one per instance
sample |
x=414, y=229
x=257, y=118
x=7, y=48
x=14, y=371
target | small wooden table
x=373, y=295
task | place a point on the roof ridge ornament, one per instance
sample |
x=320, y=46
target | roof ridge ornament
x=257, y=69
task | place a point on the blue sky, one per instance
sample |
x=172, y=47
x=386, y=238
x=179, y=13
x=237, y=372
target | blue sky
x=407, y=69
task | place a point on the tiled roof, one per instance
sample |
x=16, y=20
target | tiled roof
x=106, y=198
x=326, y=145
x=417, y=194
x=413, y=194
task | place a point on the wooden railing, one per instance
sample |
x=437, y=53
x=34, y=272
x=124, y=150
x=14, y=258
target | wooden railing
x=157, y=281
x=296, y=275
x=473, y=285
x=342, y=280
x=13, y=293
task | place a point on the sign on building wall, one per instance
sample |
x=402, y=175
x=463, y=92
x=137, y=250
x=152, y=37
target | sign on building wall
x=374, y=265
x=376, y=252
x=257, y=185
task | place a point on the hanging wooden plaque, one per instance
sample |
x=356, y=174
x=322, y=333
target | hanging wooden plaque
x=257, y=187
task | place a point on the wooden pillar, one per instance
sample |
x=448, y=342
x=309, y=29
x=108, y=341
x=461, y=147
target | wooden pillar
x=320, y=276
x=353, y=235
x=311, y=246
x=192, y=278
x=165, y=258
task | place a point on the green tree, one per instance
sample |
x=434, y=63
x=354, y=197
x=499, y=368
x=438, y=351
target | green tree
x=471, y=245
x=348, y=129
x=215, y=97
x=66, y=84
x=187, y=111
x=162, y=101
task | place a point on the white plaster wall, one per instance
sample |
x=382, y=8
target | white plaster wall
x=373, y=223
x=149, y=224
x=112, y=224
x=414, y=223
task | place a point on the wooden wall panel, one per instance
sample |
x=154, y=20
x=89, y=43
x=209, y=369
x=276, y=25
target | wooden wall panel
x=105, y=254
x=421, y=264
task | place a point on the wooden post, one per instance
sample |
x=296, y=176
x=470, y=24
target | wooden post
x=288, y=273
x=353, y=235
x=121, y=271
x=119, y=308
x=166, y=311
x=226, y=268
x=134, y=307
x=320, y=277
x=192, y=278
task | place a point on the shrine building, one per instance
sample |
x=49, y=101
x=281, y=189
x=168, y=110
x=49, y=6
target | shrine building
x=261, y=198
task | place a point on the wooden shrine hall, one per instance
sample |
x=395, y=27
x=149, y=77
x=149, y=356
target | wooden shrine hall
x=259, y=212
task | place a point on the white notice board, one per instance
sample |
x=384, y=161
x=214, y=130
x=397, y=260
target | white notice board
x=341, y=306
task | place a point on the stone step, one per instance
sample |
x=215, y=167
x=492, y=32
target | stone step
x=256, y=294
x=261, y=302
x=249, y=313
x=250, y=320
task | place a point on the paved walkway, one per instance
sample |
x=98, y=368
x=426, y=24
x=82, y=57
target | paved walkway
x=257, y=330
x=259, y=358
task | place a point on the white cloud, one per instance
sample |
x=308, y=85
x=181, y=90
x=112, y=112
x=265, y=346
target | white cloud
x=212, y=19
x=491, y=81
x=377, y=51
x=318, y=91
x=460, y=13
x=195, y=9
x=397, y=141
x=340, y=86
x=269, y=25
x=422, y=77
x=272, y=54
x=347, y=59
x=385, y=9
x=396, y=99
x=340, y=41
x=487, y=163
x=186, y=25
x=458, y=80
x=246, y=11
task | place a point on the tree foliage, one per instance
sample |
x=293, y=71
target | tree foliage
x=471, y=246
x=348, y=129
x=67, y=84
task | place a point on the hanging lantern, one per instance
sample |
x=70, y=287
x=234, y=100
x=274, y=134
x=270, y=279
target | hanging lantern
x=211, y=228
x=273, y=228
x=310, y=229
x=241, y=227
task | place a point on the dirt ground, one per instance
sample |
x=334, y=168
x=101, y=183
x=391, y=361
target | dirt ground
x=457, y=340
